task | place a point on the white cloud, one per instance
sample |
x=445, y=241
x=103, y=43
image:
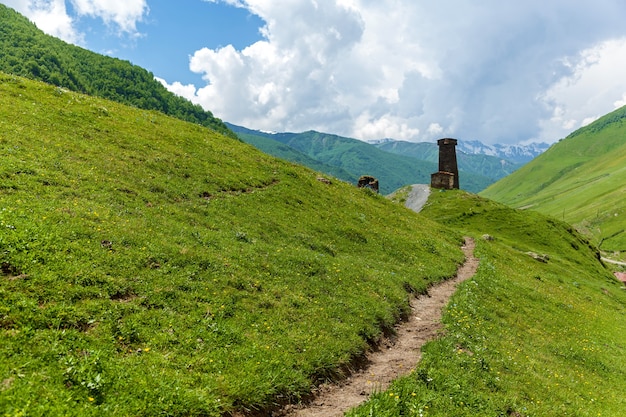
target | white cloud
x=187, y=91
x=621, y=102
x=435, y=129
x=52, y=16
x=123, y=13
x=595, y=87
x=494, y=71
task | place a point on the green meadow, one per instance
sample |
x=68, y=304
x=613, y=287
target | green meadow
x=523, y=337
x=151, y=266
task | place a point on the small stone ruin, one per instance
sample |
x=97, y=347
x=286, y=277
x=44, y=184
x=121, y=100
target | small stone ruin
x=367, y=181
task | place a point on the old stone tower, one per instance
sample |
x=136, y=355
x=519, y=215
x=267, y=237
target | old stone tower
x=448, y=175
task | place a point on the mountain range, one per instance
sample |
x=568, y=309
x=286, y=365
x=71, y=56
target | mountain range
x=518, y=154
x=394, y=163
x=26, y=51
x=515, y=153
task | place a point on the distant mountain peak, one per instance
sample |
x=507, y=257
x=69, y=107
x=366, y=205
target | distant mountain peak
x=513, y=153
x=520, y=154
x=380, y=141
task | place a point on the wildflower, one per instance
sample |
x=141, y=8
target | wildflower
x=90, y=399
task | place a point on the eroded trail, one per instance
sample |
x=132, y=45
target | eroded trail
x=395, y=357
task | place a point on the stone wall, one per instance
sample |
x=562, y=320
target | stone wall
x=442, y=179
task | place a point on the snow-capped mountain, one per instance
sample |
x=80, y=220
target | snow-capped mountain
x=519, y=154
x=513, y=153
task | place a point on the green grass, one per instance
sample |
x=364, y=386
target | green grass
x=153, y=267
x=579, y=180
x=523, y=337
x=286, y=152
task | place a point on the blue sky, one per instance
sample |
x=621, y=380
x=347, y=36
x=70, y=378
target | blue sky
x=496, y=71
x=171, y=33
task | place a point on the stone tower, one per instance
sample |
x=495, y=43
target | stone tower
x=448, y=175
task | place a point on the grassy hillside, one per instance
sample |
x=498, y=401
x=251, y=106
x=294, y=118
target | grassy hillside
x=523, y=337
x=488, y=166
x=581, y=180
x=153, y=267
x=357, y=158
x=27, y=51
x=275, y=148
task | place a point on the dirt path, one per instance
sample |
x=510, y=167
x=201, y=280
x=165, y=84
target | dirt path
x=395, y=357
x=611, y=261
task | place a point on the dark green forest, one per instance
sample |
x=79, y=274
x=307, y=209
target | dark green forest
x=27, y=51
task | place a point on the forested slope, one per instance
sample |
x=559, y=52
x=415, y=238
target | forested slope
x=27, y=51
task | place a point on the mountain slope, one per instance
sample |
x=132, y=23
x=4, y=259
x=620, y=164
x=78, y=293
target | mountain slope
x=533, y=333
x=581, y=179
x=360, y=158
x=150, y=266
x=27, y=51
x=492, y=167
x=265, y=143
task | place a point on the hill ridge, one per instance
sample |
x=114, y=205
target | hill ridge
x=27, y=51
x=579, y=180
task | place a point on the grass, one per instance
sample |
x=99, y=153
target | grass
x=523, y=337
x=400, y=195
x=153, y=267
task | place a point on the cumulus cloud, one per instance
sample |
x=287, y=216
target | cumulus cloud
x=495, y=71
x=415, y=70
x=594, y=87
x=621, y=102
x=52, y=16
x=123, y=13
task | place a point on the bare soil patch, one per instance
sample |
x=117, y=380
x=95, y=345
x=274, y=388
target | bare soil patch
x=394, y=357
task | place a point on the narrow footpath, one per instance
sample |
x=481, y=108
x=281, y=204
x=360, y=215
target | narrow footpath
x=394, y=357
